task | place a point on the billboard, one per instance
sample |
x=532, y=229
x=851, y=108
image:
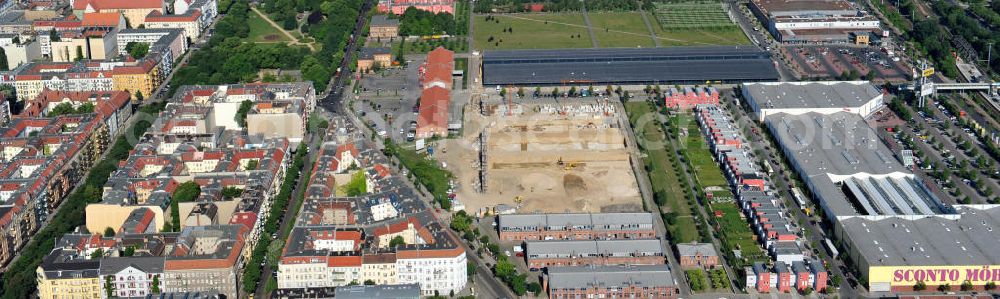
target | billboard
x=934, y=275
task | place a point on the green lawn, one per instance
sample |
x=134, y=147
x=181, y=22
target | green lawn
x=531, y=31
x=692, y=37
x=620, y=29
x=427, y=171
x=737, y=234
x=662, y=173
x=262, y=32
x=705, y=169
x=456, y=44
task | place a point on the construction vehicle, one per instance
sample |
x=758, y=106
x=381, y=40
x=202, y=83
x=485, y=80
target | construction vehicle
x=518, y=200
x=571, y=165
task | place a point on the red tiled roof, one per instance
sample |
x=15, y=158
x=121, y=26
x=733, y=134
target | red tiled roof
x=111, y=19
x=156, y=16
x=344, y=261
x=118, y=4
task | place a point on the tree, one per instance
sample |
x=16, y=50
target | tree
x=3, y=60
x=835, y=280
x=357, y=186
x=396, y=241
x=990, y=286
x=518, y=285
x=572, y=91
x=944, y=287
x=79, y=53
x=231, y=192
x=535, y=288
x=109, y=232
x=470, y=268
x=966, y=286
x=503, y=92
x=137, y=50
x=252, y=165
x=555, y=92
x=520, y=92
x=369, y=282
x=503, y=269
x=241, y=113
x=97, y=253
x=139, y=97
x=109, y=286
x=185, y=192
x=129, y=251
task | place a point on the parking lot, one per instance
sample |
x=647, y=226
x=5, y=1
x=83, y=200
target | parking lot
x=831, y=62
x=388, y=100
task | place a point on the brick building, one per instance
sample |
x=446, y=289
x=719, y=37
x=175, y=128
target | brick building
x=650, y=281
x=696, y=255
x=541, y=254
x=576, y=226
x=383, y=27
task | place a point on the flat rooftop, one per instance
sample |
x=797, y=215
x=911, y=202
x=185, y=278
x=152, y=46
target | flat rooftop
x=826, y=94
x=627, y=65
x=792, y=7
x=599, y=221
x=607, y=248
x=601, y=277
x=848, y=167
x=971, y=239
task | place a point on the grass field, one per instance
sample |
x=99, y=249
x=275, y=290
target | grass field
x=531, y=31
x=737, y=234
x=620, y=29
x=662, y=172
x=707, y=24
x=692, y=15
x=696, y=149
x=262, y=32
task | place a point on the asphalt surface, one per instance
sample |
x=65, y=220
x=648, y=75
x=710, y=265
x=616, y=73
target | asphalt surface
x=331, y=103
x=646, y=190
x=781, y=178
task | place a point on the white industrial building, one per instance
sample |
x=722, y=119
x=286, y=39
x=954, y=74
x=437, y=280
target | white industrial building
x=824, y=97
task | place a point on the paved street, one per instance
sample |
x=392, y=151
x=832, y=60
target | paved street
x=642, y=178
x=814, y=231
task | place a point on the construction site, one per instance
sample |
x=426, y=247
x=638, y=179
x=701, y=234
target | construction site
x=542, y=158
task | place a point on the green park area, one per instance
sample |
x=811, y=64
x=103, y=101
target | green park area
x=667, y=187
x=620, y=30
x=700, y=156
x=530, y=31
x=735, y=234
x=696, y=24
x=262, y=32
x=425, y=171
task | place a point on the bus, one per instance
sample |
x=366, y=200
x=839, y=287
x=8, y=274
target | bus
x=830, y=248
x=798, y=197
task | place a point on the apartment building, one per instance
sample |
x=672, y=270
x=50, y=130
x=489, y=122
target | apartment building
x=205, y=258
x=134, y=11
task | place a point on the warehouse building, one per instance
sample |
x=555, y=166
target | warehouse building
x=888, y=222
x=816, y=21
x=650, y=281
x=575, y=226
x=669, y=65
x=541, y=254
x=826, y=97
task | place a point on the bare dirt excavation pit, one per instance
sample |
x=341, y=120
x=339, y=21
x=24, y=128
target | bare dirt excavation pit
x=546, y=159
